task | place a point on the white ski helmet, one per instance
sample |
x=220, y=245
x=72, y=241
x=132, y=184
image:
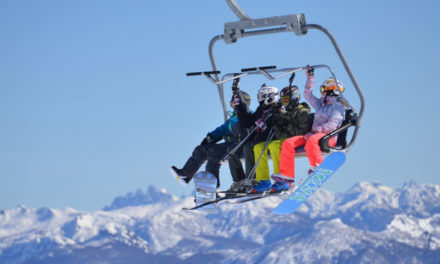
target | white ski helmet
x=268, y=94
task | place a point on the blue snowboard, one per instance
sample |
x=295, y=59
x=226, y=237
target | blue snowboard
x=205, y=184
x=311, y=184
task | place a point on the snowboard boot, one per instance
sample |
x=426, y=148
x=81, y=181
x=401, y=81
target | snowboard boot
x=312, y=170
x=278, y=177
x=179, y=175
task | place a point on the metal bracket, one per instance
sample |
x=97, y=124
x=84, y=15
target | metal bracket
x=289, y=23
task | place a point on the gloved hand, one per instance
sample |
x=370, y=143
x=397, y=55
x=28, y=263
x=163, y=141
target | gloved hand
x=282, y=110
x=206, y=140
x=308, y=135
x=261, y=124
x=310, y=72
x=235, y=100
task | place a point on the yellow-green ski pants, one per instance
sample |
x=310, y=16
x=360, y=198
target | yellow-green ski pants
x=262, y=172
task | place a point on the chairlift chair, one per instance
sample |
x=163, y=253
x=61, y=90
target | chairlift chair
x=296, y=23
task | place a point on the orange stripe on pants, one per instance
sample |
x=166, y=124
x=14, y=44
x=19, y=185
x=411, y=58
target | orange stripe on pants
x=313, y=151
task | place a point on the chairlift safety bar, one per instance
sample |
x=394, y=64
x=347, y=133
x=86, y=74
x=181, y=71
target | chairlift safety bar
x=261, y=71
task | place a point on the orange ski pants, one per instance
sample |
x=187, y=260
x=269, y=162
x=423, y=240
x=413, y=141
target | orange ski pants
x=311, y=146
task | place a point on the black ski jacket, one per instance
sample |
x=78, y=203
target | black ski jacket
x=297, y=120
x=247, y=120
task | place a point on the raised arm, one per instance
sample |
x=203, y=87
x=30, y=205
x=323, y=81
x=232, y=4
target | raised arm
x=308, y=89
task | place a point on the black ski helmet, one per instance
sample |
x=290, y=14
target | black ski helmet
x=292, y=92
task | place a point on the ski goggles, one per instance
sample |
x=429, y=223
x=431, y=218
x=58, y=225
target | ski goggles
x=285, y=100
x=332, y=87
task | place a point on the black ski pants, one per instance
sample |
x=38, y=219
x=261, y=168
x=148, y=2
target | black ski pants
x=213, y=154
x=235, y=165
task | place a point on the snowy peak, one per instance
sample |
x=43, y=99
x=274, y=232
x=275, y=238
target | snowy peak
x=151, y=196
x=366, y=224
x=420, y=200
x=372, y=206
x=370, y=188
x=365, y=195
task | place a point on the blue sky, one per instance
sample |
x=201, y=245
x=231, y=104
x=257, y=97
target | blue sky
x=94, y=101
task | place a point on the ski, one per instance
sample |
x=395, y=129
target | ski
x=263, y=195
x=328, y=167
x=198, y=206
x=255, y=197
x=227, y=192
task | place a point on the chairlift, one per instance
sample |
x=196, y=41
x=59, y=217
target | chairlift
x=296, y=23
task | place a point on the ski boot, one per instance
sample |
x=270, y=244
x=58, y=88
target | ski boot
x=242, y=186
x=235, y=187
x=278, y=187
x=261, y=186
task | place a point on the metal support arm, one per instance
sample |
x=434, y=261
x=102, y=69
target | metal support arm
x=237, y=10
x=291, y=23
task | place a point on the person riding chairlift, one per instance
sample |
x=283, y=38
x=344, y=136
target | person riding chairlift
x=212, y=152
x=292, y=119
x=263, y=118
x=329, y=114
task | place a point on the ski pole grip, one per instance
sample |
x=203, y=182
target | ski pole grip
x=292, y=77
x=236, y=83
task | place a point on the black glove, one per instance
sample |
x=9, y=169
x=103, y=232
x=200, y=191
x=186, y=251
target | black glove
x=310, y=71
x=206, y=140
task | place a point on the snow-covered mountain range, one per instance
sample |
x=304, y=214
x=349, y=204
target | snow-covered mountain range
x=370, y=223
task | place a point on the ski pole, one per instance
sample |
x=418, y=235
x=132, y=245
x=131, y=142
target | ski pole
x=269, y=138
x=236, y=148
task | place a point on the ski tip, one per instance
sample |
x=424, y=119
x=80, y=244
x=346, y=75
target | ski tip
x=278, y=212
x=283, y=210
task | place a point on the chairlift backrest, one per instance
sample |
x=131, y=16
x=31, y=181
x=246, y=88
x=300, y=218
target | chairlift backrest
x=342, y=136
